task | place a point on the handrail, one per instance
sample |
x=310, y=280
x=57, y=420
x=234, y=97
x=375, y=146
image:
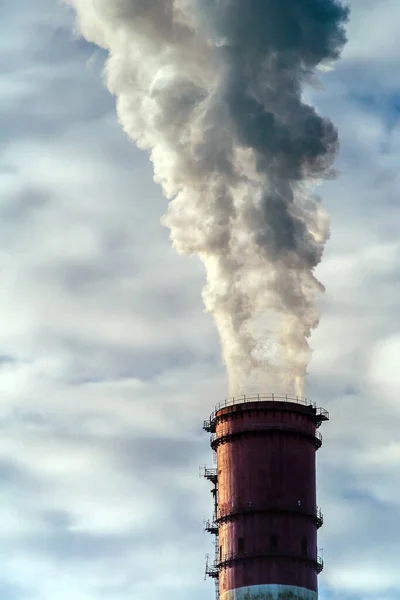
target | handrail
x=216, y=439
x=209, y=425
x=211, y=526
x=233, y=401
x=211, y=570
x=320, y=563
x=227, y=512
x=322, y=412
x=224, y=561
x=263, y=397
x=208, y=473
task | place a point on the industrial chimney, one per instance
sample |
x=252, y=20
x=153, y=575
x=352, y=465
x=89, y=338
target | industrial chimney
x=264, y=487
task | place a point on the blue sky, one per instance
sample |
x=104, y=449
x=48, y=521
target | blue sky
x=109, y=364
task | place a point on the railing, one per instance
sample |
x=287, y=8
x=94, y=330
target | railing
x=209, y=426
x=320, y=413
x=213, y=569
x=217, y=440
x=259, y=398
x=227, y=512
x=263, y=398
x=211, y=527
x=320, y=518
x=318, y=439
x=227, y=559
x=210, y=474
x=321, y=416
x=320, y=563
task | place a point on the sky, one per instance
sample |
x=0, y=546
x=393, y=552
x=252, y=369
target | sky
x=109, y=363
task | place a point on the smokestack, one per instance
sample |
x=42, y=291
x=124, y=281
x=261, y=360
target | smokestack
x=214, y=90
x=265, y=512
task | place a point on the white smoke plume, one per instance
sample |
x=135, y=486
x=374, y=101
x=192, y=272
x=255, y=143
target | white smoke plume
x=213, y=89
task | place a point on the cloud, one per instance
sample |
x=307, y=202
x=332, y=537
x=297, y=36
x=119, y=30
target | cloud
x=108, y=363
x=102, y=394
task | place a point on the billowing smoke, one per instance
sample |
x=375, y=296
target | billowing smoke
x=213, y=88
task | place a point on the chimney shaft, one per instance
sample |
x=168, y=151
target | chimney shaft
x=266, y=517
